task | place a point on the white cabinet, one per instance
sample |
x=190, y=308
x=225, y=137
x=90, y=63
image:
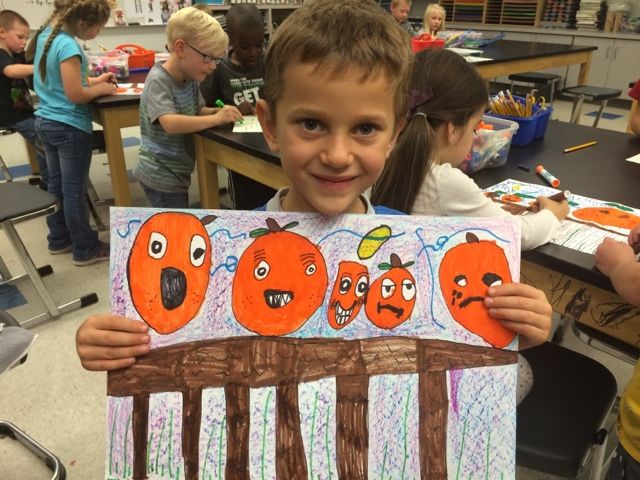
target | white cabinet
x=599, y=61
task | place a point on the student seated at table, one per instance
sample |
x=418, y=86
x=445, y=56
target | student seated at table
x=239, y=81
x=172, y=108
x=634, y=121
x=448, y=98
x=434, y=16
x=400, y=11
x=16, y=109
x=336, y=83
x=618, y=261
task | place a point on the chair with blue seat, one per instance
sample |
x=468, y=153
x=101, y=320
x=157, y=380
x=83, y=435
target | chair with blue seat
x=563, y=423
x=14, y=340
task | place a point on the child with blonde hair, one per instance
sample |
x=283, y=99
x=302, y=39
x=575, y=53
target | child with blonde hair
x=434, y=16
x=63, y=121
x=172, y=108
x=336, y=96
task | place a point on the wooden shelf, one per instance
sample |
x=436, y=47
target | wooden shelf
x=497, y=12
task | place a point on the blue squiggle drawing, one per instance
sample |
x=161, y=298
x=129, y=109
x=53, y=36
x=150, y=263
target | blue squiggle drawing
x=228, y=234
x=440, y=243
x=230, y=265
x=128, y=231
x=355, y=234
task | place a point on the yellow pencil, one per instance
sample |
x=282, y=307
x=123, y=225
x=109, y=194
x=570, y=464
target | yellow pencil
x=579, y=147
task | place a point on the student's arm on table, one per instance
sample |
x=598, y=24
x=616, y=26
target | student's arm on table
x=617, y=261
x=77, y=93
x=523, y=309
x=110, y=342
x=18, y=70
x=175, y=123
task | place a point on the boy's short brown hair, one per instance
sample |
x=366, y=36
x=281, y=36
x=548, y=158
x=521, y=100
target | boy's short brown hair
x=198, y=28
x=395, y=3
x=9, y=17
x=339, y=34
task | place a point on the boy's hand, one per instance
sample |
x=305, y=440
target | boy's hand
x=634, y=239
x=110, y=342
x=246, y=108
x=559, y=209
x=612, y=254
x=228, y=114
x=104, y=89
x=523, y=309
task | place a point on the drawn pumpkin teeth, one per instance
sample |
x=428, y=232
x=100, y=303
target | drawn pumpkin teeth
x=277, y=298
x=342, y=315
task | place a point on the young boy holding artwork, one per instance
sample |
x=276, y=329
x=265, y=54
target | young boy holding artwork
x=617, y=260
x=239, y=81
x=172, y=108
x=16, y=109
x=334, y=105
x=400, y=12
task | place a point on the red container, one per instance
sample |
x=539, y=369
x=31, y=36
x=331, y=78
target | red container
x=418, y=45
x=139, y=57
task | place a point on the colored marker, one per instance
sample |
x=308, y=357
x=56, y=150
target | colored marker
x=580, y=147
x=560, y=196
x=549, y=178
x=219, y=103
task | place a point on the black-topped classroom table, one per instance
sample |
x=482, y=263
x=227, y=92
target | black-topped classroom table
x=573, y=285
x=121, y=111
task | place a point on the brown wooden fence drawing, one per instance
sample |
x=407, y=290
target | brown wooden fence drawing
x=238, y=364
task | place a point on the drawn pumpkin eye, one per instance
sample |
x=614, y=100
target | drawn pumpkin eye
x=491, y=280
x=197, y=250
x=345, y=285
x=262, y=270
x=408, y=290
x=362, y=286
x=460, y=280
x=311, y=269
x=388, y=287
x=157, y=245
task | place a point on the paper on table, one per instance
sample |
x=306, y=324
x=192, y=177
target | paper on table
x=465, y=51
x=473, y=59
x=634, y=159
x=249, y=124
x=129, y=89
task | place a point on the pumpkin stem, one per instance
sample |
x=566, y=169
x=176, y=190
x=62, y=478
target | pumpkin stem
x=206, y=220
x=395, y=261
x=273, y=226
x=472, y=238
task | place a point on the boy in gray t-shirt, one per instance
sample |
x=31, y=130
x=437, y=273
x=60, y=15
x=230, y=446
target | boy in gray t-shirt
x=171, y=107
x=239, y=81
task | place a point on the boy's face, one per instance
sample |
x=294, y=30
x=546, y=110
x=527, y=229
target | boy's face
x=15, y=39
x=333, y=134
x=401, y=11
x=195, y=62
x=248, y=46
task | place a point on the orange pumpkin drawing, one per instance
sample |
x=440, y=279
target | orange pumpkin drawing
x=466, y=272
x=168, y=269
x=607, y=216
x=392, y=296
x=511, y=197
x=349, y=293
x=280, y=281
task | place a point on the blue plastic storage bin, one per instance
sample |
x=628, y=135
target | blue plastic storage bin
x=531, y=128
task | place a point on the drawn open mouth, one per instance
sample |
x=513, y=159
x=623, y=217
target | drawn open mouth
x=468, y=300
x=173, y=287
x=277, y=298
x=398, y=311
x=343, y=314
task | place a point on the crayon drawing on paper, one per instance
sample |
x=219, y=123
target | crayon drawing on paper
x=291, y=345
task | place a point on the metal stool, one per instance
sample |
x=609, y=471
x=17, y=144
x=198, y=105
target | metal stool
x=537, y=78
x=595, y=94
x=19, y=201
x=3, y=166
x=8, y=429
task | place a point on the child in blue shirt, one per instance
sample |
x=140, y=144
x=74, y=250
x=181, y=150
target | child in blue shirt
x=335, y=103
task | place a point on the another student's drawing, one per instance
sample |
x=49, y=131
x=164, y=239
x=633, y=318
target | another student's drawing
x=294, y=345
x=589, y=220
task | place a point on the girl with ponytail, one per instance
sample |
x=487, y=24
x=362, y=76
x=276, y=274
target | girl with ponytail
x=448, y=98
x=63, y=121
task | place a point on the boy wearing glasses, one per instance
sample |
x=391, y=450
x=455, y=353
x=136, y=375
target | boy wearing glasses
x=172, y=108
x=239, y=81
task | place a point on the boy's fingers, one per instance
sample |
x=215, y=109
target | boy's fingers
x=94, y=353
x=108, y=338
x=105, y=365
x=122, y=324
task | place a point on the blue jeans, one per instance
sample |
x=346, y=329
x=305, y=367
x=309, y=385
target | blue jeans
x=27, y=128
x=159, y=199
x=68, y=152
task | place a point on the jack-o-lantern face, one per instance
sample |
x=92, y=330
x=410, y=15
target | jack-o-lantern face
x=607, y=216
x=466, y=272
x=349, y=293
x=280, y=281
x=168, y=269
x=392, y=296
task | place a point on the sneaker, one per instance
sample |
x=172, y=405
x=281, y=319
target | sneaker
x=58, y=251
x=100, y=254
